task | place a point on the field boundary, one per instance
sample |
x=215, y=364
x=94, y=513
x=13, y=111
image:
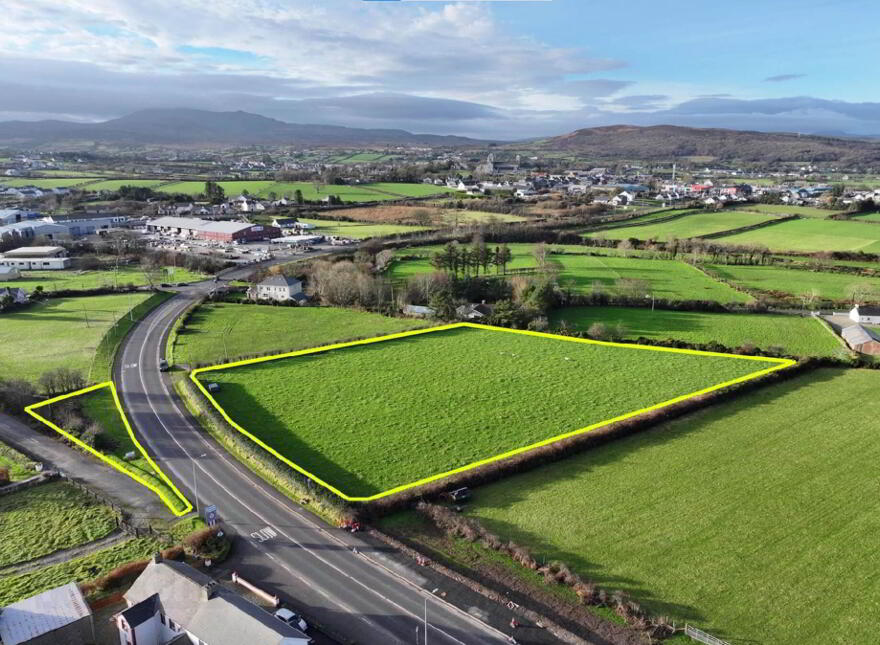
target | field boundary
x=778, y=364
x=169, y=502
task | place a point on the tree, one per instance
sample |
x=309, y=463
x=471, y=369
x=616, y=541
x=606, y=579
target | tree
x=214, y=192
x=298, y=196
x=444, y=303
x=503, y=257
x=809, y=296
x=598, y=331
x=540, y=253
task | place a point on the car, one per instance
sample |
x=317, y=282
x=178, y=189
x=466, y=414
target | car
x=163, y=365
x=460, y=494
x=292, y=618
x=213, y=387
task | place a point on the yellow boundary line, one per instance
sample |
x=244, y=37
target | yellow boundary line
x=169, y=502
x=779, y=364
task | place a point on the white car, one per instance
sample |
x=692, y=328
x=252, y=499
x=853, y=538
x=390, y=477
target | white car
x=291, y=618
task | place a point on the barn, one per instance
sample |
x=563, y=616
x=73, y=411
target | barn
x=861, y=339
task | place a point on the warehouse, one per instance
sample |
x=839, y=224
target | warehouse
x=192, y=227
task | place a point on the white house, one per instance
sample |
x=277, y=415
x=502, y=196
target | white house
x=170, y=602
x=865, y=315
x=280, y=288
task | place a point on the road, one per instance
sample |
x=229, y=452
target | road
x=364, y=595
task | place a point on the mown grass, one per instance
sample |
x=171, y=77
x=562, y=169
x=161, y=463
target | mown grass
x=794, y=282
x=84, y=280
x=60, y=332
x=43, y=519
x=810, y=235
x=263, y=188
x=749, y=519
x=423, y=405
x=100, y=407
x=782, y=209
x=67, y=182
x=695, y=225
x=221, y=332
x=581, y=272
x=796, y=336
x=359, y=231
x=92, y=566
x=116, y=184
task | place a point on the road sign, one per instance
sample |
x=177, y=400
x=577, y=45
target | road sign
x=211, y=515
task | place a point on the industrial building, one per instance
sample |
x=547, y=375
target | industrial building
x=193, y=227
x=36, y=258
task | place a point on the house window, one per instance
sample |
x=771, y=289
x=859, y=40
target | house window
x=161, y=618
x=172, y=625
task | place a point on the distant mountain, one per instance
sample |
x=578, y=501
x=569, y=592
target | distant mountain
x=200, y=127
x=667, y=142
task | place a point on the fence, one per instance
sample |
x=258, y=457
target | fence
x=703, y=637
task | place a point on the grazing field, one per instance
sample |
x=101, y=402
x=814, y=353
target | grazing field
x=783, y=209
x=310, y=190
x=225, y=331
x=116, y=184
x=359, y=231
x=419, y=406
x=89, y=567
x=867, y=217
x=748, y=519
x=67, y=182
x=810, y=235
x=670, y=279
x=796, y=336
x=411, y=190
x=704, y=223
x=794, y=282
x=60, y=332
x=424, y=215
x=88, y=279
x=43, y=519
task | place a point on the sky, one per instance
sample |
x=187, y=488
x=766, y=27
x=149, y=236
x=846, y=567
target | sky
x=502, y=69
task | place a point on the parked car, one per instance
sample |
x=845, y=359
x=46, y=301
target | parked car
x=213, y=387
x=163, y=365
x=292, y=618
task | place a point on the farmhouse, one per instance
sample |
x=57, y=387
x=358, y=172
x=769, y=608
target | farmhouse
x=215, y=231
x=34, y=258
x=865, y=315
x=280, y=288
x=170, y=602
x=474, y=311
x=861, y=339
x=60, y=615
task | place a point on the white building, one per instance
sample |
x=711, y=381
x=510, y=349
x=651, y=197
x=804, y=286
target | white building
x=865, y=315
x=172, y=603
x=36, y=258
x=280, y=288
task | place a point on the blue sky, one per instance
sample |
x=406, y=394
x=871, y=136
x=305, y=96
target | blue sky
x=485, y=69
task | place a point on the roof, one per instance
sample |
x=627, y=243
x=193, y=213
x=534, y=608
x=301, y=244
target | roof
x=29, y=251
x=178, y=222
x=868, y=311
x=41, y=614
x=226, y=227
x=858, y=335
x=142, y=611
x=220, y=618
x=279, y=280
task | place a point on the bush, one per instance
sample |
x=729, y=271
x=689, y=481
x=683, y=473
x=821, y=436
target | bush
x=4, y=476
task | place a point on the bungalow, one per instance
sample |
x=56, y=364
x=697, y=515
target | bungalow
x=59, y=615
x=285, y=223
x=170, y=602
x=19, y=297
x=474, y=311
x=280, y=288
x=865, y=315
x=861, y=339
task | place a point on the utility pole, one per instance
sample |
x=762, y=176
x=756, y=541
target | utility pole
x=426, y=620
x=196, y=481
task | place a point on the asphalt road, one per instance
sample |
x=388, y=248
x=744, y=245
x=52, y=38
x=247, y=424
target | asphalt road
x=362, y=597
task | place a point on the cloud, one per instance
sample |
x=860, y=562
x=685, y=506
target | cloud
x=640, y=101
x=783, y=77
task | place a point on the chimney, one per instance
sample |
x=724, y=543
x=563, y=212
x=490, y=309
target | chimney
x=209, y=590
x=157, y=558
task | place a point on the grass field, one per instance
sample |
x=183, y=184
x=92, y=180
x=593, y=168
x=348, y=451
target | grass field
x=17, y=464
x=796, y=336
x=782, y=209
x=83, y=280
x=867, y=217
x=67, y=182
x=357, y=230
x=812, y=235
x=668, y=279
x=684, y=227
x=746, y=519
x=82, y=569
x=224, y=331
x=420, y=406
x=59, y=332
x=831, y=286
x=116, y=184
x=47, y=518
x=262, y=188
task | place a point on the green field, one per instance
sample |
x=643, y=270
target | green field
x=794, y=282
x=69, y=182
x=43, y=519
x=750, y=519
x=809, y=235
x=668, y=279
x=80, y=570
x=420, y=406
x=224, y=331
x=357, y=193
x=96, y=279
x=359, y=230
x=18, y=465
x=696, y=225
x=116, y=184
x=59, y=332
x=867, y=217
x=782, y=209
x=795, y=335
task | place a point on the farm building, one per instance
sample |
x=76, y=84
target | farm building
x=418, y=311
x=9, y=273
x=29, y=230
x=861, y=339
x=280, y=288
x=170, y=602
x=214, y=231
x=36, y=258
x=60, y=615
x=865, y=315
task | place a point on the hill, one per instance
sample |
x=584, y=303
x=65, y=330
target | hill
x=201, y=127
x=663, y=142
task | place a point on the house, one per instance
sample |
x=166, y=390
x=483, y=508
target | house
x=285, y=223
x=418, y=311
x=861, y=339
x=172, y=603
x=280, y=288
x=474, y=311
x=54, y=617
x=865, y=315
x=9, y=273
x=36, y=258
x=19, y=297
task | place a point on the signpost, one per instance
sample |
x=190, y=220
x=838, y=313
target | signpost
x=211, y=514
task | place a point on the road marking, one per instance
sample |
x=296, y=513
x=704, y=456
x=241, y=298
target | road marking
x=264, y=534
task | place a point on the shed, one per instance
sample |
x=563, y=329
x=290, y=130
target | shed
x=862, y=339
